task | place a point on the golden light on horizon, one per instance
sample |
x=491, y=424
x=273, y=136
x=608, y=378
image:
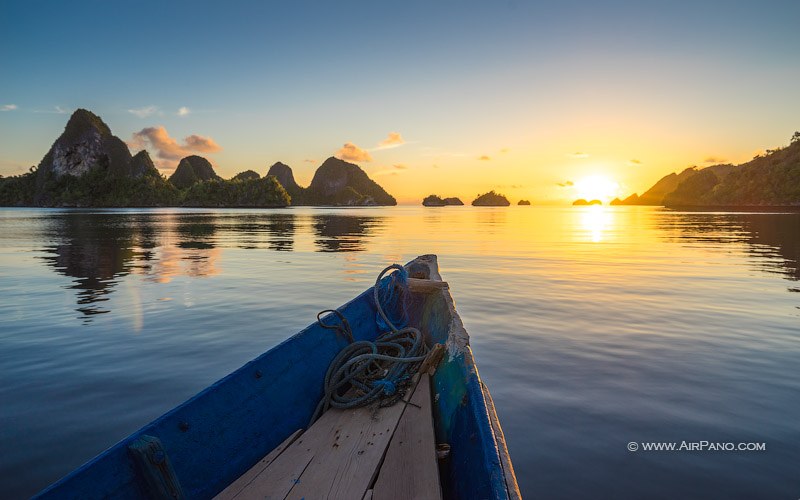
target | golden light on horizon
x=596, y=187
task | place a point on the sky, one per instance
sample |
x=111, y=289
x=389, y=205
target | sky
x=546, y=101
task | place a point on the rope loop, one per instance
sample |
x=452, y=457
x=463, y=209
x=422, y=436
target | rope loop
x=364, y=372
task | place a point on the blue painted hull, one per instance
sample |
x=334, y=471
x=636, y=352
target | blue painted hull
x=224, y=430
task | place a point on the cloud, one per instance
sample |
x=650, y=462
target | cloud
x=309, y=160
x=505, y=150
x=58, y=110
x=393, y=140
x=565, y=184
x=399, y=166
x=578, y=155
x=484, y=158
x=351, y=152
x=714, y=159
x=144, y=112
x=384, y=172
x=634, y=162
x=8, y=107
x=183, y=111
x=167, y=148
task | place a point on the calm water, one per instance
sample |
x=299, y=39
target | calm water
x=592, y=327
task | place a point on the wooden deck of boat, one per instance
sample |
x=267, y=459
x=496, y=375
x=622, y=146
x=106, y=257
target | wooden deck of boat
x=382, y=453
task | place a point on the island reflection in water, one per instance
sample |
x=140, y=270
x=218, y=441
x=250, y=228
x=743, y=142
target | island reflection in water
x=772, y=240
x=98, y=248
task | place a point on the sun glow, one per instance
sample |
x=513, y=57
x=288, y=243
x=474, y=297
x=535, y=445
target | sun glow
x=596, y=187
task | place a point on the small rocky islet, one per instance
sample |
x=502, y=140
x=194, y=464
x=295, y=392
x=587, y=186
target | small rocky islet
x=491, y=199
x=582, y=202
x=436, y=201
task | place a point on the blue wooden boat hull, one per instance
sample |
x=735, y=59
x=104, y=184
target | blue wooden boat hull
x=220, y=433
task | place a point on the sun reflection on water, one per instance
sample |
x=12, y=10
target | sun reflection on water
x=595, y=221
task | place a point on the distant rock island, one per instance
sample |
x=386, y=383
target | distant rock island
x=491, y=199
x=581, y=202
x=524, y=202
x=335, y=183
x=87, y=166
x=769, y=180
x=193, y=169
x=435, y=201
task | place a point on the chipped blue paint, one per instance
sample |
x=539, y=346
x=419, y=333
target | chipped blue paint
x=220, y=433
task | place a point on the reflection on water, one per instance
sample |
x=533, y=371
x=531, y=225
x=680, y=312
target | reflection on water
x=96, y=250
x=99, y=248
x=196, y=231
x=772, y=239
x=592, y=326
x=595, y=219
x=343, y=233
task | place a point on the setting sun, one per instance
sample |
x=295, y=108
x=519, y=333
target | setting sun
x=596, y=187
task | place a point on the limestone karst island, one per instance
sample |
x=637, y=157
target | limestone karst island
x=88, y=166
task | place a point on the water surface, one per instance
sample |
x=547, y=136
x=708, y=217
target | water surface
x=593, y=327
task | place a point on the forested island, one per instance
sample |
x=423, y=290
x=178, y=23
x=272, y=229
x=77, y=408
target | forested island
x=88, y=166
x=437, y=201
x=491, y=199
x=768, y=180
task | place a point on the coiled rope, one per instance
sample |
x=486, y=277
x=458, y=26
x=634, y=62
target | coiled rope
x=365, y=372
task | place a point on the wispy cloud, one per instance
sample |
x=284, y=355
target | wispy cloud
x=184, y=111
x=400, y=166
x=565, y=184
x=505, y=150
x=634, y=162
x=57, y=110
x=393, y=140
x=380, y=173
x=351, y=152
x=310, y=160
x=484, y=158
x=144, y=112
x=578, y=155
x=168, y=149
x=714, y=159
x=8, y=107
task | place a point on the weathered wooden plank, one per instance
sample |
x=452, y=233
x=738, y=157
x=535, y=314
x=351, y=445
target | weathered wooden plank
x=245, y=479
x=410, y=468
x=346, y=467
x=275, y=481
x=419, y=285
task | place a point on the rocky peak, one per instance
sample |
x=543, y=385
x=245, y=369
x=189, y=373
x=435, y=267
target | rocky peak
x=246, y=176
x=338, y=182
x=85, y=144
x=192, y=169
x=285, y=176
x=142, y=164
